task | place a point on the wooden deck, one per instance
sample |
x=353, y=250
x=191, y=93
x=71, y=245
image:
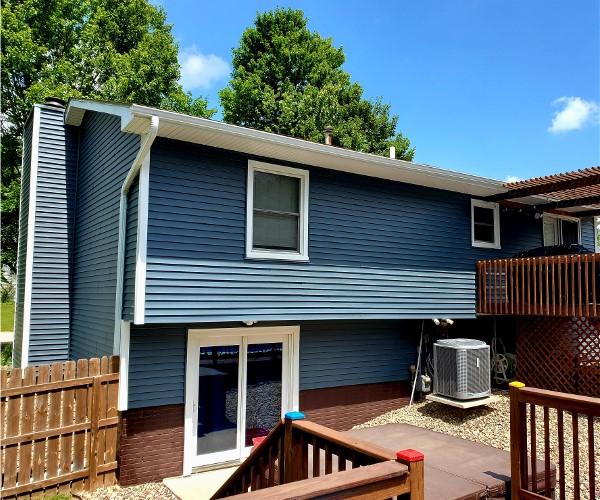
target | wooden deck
x=566, y=285
x=454, y=468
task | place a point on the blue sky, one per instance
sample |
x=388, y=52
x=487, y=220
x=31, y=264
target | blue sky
x=500, y=88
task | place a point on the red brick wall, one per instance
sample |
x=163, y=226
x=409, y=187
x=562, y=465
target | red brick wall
x=341, y=408
x=152, y=438
x=151, y=444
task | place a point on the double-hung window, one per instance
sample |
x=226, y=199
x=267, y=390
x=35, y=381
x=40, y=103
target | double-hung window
x=559, y=230
x=485, y=224
x=276, y=212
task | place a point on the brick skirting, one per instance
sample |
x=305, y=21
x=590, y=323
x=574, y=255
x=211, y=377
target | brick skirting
x=341, y=408
x=151, y=444
x=152, y=438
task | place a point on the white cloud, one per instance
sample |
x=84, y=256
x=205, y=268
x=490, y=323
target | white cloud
x=575, y=113
x=512, y=178
x=200, y=70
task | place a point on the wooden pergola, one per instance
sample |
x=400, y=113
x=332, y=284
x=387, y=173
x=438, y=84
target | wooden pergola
x=580, y=189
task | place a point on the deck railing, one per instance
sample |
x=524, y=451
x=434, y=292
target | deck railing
x=569, y=445
x=566, y=285
x=300, y=459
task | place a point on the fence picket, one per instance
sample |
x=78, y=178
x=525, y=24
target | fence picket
x=68, y=418
x=12, y=429
x=92, y=441
x=80, y=417
x=40, y=423
x=110, y=454
x=27, y=410
x=56, y=375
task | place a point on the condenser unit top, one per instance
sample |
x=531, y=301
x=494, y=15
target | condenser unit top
x=461, y=343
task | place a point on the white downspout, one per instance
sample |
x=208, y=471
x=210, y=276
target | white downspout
x=147, y=141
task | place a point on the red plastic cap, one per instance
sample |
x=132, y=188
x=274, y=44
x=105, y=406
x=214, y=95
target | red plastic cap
x=410, y=455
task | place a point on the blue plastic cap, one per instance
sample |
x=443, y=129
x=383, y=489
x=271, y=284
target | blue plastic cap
x=294, y=415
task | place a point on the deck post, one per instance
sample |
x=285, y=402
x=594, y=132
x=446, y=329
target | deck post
x=517, y=439
x=292, y=449
x=416, y=467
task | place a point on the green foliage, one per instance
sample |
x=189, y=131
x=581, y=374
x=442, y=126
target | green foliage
x=7, y=310
x=116, y=50
x=287, y=79
x=6, y=355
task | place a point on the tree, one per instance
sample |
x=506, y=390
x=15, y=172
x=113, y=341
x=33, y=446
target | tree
x=287, y=79
x=116, y=50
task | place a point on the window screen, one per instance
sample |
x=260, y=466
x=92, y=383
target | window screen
x=276, y=211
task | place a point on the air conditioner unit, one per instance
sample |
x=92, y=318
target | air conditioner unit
x=462, y=368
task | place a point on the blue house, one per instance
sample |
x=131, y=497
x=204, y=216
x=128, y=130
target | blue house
x=241, y=274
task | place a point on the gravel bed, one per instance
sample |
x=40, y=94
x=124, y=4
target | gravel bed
x=146, y=491
x=490, y=425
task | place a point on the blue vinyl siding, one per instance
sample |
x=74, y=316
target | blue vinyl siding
x=339, y=353
x=156, y=366
x=130, y=251
x=378, y=249
x=105, y=156
x=22, y=248
x=331, y=354
x=588, y=234
x=54, y=212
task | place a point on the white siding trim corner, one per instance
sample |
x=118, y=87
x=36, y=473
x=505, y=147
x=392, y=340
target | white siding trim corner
x=142, y=243
x=33, y=173
x=124, y=366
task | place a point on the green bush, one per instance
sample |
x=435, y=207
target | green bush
x=6, y=355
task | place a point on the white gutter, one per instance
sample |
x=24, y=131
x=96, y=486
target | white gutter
x=144, y=151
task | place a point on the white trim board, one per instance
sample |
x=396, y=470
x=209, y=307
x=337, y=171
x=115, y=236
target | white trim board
x=33, y=174
x=303, y=176
x=491, y=206
x=288, y=335
x=142, y=243
x=123, y=400
x=259, y=143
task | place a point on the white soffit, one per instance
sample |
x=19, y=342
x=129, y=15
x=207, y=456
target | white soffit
x=134, y=119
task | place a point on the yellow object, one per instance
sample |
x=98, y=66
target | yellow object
x=517, y=384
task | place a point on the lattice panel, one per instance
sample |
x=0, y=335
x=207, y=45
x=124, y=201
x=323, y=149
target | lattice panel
x=559, y=354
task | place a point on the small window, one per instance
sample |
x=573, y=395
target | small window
x=485, y=224
x=277, y=212
x=560, y=230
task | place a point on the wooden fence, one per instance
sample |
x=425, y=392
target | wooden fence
x=576, y=465
x=300, y=459
x=59, y=427
x=566, y=285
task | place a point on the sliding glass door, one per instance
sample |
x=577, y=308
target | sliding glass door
x=237, y=389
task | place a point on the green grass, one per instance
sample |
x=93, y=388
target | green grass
x=8, y=316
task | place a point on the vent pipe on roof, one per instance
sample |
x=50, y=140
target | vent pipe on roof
x=55, y=102
x=328, y=131
x=392, y=152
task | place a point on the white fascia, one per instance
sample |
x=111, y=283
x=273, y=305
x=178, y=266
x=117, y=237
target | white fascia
x=33, y=174
x=76, y=109
x=333, y=157
x=142, y=243
x=146, y=144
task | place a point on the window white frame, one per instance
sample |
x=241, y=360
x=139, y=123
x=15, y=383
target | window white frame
x=496, y=208
x=289, y=336
x=557, y=220
x=260, y=253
